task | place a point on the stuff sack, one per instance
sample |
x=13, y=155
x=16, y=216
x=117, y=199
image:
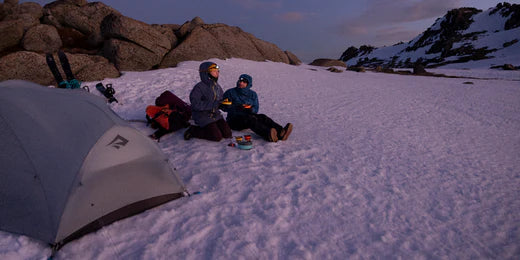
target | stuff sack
x=169, y=114
x=175, y=103
x=164, y=117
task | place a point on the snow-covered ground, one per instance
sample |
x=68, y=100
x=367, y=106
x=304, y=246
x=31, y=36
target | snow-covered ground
x=378, y=166
x=480, y=73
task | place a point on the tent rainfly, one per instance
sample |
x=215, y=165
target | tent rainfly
x=70, y=165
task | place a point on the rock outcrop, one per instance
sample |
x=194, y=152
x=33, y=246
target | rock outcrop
x=328, y=63
x=293, y=59
x=84, y=18
x=42, y=38
x=201, y=41
x=32, y=66
x=12, y=34
x=100, y=42
x=128, y=37
x=25, y=65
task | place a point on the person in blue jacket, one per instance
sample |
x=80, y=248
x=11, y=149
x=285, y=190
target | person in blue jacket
x=242, y=112
x=205, y=98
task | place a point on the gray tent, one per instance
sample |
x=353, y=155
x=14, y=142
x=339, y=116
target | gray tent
x=69, y=165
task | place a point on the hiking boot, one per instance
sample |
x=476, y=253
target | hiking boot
x=187, y=134
x=281, y=134
x=288, y=130
x=273, y=135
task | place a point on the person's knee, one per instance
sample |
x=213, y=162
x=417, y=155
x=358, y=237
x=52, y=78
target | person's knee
x=227, y=135
x=226, y=132
x=214, y=136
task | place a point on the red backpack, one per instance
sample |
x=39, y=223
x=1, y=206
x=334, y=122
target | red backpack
x=175, y=103
x=159, y=116
x=169, y=114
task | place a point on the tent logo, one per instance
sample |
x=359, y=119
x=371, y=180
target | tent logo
x=118, y=142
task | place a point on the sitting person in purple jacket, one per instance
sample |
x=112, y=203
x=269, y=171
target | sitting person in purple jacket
x=205, y=99
x=242, y=113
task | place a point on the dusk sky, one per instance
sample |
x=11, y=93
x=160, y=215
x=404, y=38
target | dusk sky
x=310, y=29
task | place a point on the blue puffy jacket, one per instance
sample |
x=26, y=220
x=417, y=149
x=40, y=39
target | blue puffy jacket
x=205, y=98
x=239, y=96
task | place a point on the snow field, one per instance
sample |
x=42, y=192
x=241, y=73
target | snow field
x=377, y=166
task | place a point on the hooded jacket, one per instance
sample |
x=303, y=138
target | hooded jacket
x=205, y=97
x=239, y=96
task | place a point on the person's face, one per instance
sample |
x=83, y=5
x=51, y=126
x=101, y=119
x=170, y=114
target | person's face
x=242, y=84
x=214, y=73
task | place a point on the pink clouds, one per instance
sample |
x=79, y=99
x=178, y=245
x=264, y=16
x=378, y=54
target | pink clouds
x=385, y=21
x=291, y=17
x=258, y=4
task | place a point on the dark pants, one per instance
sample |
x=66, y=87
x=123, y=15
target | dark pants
x=176, y=122
x=214, y=131
x=259, y=123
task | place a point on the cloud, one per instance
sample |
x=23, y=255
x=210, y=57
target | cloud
x=291, y=17
x=259, y=4
x=394, y=35
x=384, y=11
x=378, y=36
x=384, y=21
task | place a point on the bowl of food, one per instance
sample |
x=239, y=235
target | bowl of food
x=226, y=102
x=245, y=145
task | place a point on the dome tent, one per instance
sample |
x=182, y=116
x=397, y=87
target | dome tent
x=70, y=165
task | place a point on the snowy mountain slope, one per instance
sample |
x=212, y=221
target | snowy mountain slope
x=378, y=166
x=467, y=37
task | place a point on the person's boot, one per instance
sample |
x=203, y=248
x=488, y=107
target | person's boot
x=281, y=133
x=187, y=134
x=287, y=129
x=273, y=135
x=158, y=134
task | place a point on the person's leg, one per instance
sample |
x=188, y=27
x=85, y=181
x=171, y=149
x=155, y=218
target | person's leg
x=267, y=121
x=224, y=128
x=286, y=132
x=177, y=122
x=238, y=123
x=262, y=126
x=209, y=132
x=283, y=132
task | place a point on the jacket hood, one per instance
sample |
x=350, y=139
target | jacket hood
x=204, y=73
x=249, y=79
